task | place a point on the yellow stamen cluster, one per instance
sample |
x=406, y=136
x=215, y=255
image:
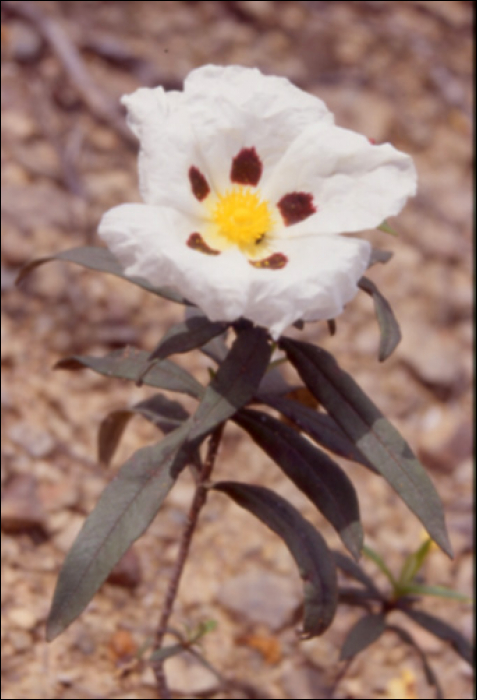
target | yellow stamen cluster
x=241, y=217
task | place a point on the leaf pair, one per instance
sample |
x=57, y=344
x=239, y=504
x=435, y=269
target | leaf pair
x=371, y=433
x=134, y=496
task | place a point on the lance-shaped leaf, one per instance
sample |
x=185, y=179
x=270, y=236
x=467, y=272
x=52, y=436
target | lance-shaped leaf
x=308, y=548
x=312, y=471
x=100, y=259
x=388, y=325
x=351, y=568
x=365, y=632
x=131, y=364
x=319, y=426
x=166, y=414
x=372, y=434
x=441, y=629
x=235, y=383
x=216, y=348
x=420, y=589
x=431, y=677
x=193, y=333
x=379, y=256
x=122, y=514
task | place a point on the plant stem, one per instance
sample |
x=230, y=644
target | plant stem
x=197, y=504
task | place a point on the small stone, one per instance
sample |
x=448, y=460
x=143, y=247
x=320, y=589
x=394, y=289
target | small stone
x=304, y=682
x=122, y=646
x=434, y=358
x=22, y=618
x=38, y=443
x=445, y=441
x=127, y=572
x=260, y=598
x=20, y=640
x=21, y=508
x=24, y=42
x=7, y=278
x=188, y=677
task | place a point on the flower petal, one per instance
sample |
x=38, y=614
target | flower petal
x=319, y=278
x=168, y=149
x=355, y=185
x=233, y=108
x=151, y=242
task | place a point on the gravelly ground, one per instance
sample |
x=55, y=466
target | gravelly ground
x=397, y=71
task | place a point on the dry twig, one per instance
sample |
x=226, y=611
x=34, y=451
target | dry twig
x=71, y=60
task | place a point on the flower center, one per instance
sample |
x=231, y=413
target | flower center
x=242, y=217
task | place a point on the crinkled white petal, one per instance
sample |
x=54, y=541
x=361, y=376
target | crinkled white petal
x=234, y=107
x=168, y=148
x=319, y=279
x=220, y=111
x=355, y=185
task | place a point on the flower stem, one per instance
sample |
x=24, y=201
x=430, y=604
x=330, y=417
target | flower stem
x=197, y=504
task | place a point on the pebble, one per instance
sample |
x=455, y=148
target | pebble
x=260, y=598
x=21, y=507
x=434, y=358
x=303, y=682
x=23, y=618
x=188, y=677
x=127, y=572
x=24, y=43
x=38, y=443
x=445, y=441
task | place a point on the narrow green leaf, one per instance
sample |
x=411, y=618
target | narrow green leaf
x=129, y=363
x=124, y=511
x=168, y=652
x=380, y=256
x=436, y=591
x=365, y=632
x=380, y=563
x=158, y=409
x=353, y=569
x=429, y=673
x=372, y=434
x=413, y=563
x=308, y=548
x=102, y=260
x=386, y=228
x=312, y=471
x=319, y=426
x=110, y=432
x=235, y=383
x=389, y=327
x=216, y=349
x=192, y=333
x=352, y=595
x=443, y=631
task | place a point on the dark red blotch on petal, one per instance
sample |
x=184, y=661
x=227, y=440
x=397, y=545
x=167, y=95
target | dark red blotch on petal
x=246, y=167
x=196, y=242
x=296, y=206
x=200, y=186
x=274, y=262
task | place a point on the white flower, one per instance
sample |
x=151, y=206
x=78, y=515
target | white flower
x=247, y=182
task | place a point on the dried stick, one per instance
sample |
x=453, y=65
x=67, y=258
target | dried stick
x=198, y=503
x=69, y=56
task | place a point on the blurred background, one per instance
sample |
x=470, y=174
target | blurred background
x=395, y=71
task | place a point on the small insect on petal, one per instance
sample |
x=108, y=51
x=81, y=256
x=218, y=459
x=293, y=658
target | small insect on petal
x=246, y=167
x=296, y=206
x=196, y=242
x=274, y=262
x=200, y=186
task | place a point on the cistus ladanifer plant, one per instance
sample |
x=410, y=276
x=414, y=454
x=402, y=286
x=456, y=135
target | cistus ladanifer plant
x=250, y=193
